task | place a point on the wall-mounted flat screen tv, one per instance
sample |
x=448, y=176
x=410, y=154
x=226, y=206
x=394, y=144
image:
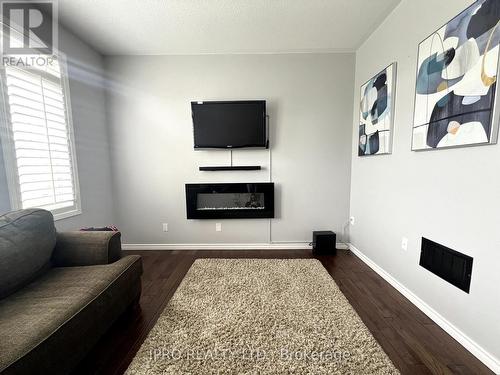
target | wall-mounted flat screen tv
x=229, y=124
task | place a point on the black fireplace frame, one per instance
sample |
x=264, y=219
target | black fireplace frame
x=267, y=188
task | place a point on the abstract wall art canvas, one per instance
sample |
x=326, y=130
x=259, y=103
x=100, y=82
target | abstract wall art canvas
x=456, y=83
x=376, y=113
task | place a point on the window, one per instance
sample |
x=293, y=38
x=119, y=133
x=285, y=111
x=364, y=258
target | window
x=40, y=148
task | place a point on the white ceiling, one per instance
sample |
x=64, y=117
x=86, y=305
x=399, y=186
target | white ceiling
x=151, y=27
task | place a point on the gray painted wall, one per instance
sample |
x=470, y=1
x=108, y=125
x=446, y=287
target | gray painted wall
x=309, y=99
x=91, y=137
x=450, y=196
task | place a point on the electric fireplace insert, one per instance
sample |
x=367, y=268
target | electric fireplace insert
x=230, y=201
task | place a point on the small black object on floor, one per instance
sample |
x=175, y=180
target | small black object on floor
x=324, y=242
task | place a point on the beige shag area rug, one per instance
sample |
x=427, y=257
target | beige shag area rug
x=259, y=316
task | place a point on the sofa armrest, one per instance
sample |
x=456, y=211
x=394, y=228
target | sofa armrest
x=86, y=248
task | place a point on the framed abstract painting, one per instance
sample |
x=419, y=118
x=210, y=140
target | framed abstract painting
x=376, y=113
x=456, y=86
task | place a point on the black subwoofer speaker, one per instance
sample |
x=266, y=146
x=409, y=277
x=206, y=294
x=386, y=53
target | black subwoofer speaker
x=324, y=242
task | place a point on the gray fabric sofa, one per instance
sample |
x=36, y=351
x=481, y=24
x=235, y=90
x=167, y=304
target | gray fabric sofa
x=59, y=292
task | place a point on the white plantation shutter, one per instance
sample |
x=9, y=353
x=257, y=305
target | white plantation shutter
x=42, y=139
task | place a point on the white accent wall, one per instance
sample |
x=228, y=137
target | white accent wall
x=309, y=101
x=449, y=196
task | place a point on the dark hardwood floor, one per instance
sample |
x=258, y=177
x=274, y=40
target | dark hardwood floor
x=415, y=344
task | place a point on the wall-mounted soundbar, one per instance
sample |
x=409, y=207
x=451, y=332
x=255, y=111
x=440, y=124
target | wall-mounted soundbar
x=232, y=168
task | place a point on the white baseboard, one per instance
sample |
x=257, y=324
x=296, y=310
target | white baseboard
x=489, y=360
x=225, y=246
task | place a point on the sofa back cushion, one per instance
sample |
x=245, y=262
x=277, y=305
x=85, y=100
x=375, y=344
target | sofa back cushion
x=27, y=239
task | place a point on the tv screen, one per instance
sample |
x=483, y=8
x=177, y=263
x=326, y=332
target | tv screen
x=231, y=124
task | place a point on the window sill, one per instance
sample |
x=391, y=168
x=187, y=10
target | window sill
x=65, y=215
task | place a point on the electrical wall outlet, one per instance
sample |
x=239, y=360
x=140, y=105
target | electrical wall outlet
x=352, y=220
x=404, y=243
x=165, y=227
x=218, y=227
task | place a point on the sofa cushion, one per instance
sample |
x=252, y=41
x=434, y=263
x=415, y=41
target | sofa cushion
x=50, y=324
x=27, y=239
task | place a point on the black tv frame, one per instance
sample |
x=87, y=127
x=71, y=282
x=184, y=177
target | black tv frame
x=266, y=125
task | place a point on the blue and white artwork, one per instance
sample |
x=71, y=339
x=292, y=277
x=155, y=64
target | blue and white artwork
x=457, y=81
x=376, y=113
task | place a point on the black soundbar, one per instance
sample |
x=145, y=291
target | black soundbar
x=232, y=168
